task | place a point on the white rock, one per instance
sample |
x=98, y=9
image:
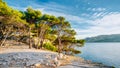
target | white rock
x=60, y=56
x=37, y=65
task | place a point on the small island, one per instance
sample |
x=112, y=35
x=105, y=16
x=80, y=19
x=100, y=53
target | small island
x=31, y=39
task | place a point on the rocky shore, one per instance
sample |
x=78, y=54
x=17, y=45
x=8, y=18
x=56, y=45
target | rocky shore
x=43, y=59
x=22, y=57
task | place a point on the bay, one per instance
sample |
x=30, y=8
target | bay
x=106, y=53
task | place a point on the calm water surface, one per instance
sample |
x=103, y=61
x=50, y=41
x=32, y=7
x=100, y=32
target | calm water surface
x=106, y=53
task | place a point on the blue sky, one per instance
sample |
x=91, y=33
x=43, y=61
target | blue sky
x=87, y=17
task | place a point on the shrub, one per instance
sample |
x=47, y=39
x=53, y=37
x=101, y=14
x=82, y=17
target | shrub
x=50, y=46
x=76, y=51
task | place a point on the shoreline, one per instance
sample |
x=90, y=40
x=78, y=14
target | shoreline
x=16, y=56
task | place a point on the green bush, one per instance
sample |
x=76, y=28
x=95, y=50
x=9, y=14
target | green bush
x=49, y=46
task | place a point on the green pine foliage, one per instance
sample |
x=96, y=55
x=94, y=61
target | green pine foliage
x=49, y=46
x=32, y=23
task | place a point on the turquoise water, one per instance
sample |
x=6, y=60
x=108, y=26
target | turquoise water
x=106, y=53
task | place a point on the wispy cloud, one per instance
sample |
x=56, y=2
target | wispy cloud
x=109, y=24
x=99, y=14
x=104, y=22
x=86, y=20
x=19, y=8
x=96, y=9
x=50, y=6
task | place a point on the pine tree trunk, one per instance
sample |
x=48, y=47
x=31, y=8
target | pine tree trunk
x=41, y=44
x=5, y=37
x=41, y=37
x=37, y=38
x=1, y=37
x=30, y=38
x=59, y=46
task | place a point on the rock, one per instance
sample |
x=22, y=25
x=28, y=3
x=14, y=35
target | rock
x=48, y=56
x=30, y=59
x=55, y=59
x=6, y=44
x=37, y=65
x=64, y=57
x=58, y=63
x=4, y=63
x=60, y=56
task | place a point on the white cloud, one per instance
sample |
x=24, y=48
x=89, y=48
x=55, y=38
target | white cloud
x=69, y=17
x=109, y=24
x=109, y=20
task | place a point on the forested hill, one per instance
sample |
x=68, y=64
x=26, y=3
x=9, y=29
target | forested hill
x=104, y=38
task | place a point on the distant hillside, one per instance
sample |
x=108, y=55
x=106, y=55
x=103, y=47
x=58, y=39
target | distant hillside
x=104, y=38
